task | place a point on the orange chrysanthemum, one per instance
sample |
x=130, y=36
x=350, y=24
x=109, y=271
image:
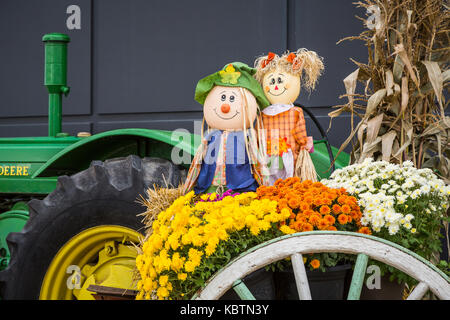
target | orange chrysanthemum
x=325, y=210
x=356, y=215
x=336, y=209
x=297, y=225
x=304, y=206
x=314, y=219
x=315, y=263
x=317, y=201
x=308, y=199
x=365, y=230
x=342, y=199
x=346, y=209
x=323, y=224
x=308, y=213
x=312, y=205
x=330, y=219
x=342, y=219
x=293, y=202
x=283, y=203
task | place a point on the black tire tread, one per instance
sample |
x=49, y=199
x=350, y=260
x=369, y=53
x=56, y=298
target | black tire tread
x=120, y=180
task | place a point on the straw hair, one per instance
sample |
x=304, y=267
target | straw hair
x=260, y=70
x=307, y=64
x=304, y=167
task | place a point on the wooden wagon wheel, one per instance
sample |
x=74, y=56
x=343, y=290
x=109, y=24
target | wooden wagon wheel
x=294, y=245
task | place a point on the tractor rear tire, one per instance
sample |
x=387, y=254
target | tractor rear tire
x=103, y=194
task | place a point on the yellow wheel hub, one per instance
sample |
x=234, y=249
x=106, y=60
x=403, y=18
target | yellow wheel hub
x=101, y=255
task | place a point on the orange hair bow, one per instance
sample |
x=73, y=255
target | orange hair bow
x=290, y=58
x=270, y=57
x=296, y=62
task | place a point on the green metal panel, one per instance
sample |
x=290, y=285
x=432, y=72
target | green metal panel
x=33, y=149
x=43, y=159
x=11, y=221
x=30, y=186
x=20, y=158
x=321, y=159
x=117, y=143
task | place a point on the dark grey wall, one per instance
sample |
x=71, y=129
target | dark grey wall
x=136, y=63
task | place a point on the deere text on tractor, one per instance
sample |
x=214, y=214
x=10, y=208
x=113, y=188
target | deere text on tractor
x=68, y=210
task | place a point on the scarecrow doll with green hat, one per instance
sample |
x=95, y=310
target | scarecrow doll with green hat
x=228, y=155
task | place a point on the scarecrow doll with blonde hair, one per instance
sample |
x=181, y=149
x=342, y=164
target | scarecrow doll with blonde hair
x=288, y=145
x=227, y=157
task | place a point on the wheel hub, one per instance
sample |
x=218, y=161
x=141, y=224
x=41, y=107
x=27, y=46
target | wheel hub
x=102, y=255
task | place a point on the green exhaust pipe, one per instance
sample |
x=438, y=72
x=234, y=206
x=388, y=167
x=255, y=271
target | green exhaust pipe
x=55, y=78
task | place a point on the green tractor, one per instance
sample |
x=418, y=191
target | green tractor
x=68, y=209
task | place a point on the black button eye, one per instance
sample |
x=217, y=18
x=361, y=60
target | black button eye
x=280, y=80
x=272, y=81
x=231, y=98
x=223, y=97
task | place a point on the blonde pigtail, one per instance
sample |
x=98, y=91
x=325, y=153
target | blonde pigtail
x=304, y=167
x=308, y=64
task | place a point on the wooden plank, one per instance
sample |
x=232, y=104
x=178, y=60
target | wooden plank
x=326, y=241
x=242, y=291
x=358, y=277
x=418, y=291
x=301, y=279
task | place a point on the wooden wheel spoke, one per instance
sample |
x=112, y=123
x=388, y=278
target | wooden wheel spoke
x=358, y=277
x=418, y=291
x=242, y=291
x=301, y=279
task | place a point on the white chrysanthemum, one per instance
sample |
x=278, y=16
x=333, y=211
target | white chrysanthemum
x=408, y=225
x=393, y=229
x=399, y=184
x=364, y=221
x=390, y=216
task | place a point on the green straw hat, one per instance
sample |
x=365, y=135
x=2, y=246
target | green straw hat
x=236, y=74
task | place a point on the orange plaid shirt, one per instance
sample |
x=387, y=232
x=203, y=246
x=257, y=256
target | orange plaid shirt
x=291, y=125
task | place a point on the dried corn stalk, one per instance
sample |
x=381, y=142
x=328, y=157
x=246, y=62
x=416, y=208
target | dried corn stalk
x=402, y=109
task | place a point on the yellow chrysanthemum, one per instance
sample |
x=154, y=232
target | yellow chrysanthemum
x=163, y=280
x=285, y=229
x=201, y=227
x=162, y=292
x=182, y=276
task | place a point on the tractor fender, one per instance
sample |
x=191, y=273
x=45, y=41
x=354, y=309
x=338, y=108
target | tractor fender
x=119, y=143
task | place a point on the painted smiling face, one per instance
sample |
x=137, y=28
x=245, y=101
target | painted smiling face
x=281, y=87
x=224, y=108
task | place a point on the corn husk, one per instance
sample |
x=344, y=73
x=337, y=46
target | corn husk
x=400, y=113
